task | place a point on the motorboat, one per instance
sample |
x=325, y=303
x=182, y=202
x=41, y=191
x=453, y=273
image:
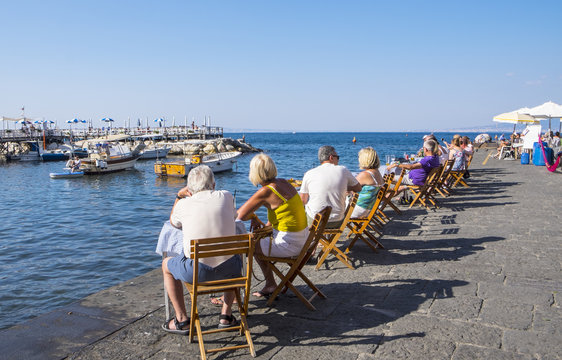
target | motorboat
x=155, y=152
x=108, y=154
x=223, y=161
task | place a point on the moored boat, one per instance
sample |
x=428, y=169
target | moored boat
x=218, y=162
x=155, y=152
x=66, y=175
x=107, y=155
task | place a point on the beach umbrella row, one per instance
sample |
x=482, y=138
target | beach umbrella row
x=525, y=115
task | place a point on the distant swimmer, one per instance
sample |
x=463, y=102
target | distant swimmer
x=354, y=140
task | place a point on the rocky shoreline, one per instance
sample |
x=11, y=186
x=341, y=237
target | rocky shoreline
x=183, y=147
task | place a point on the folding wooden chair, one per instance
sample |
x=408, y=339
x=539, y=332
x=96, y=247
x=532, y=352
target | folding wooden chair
x=392, y=190
x=361, y=228
x=440, y=187
x=330, y=237
x=297, y=263
x=221, y=246
x=457, y=177
x=420, y=192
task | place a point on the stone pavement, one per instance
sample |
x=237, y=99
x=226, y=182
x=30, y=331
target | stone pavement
x=479, y=278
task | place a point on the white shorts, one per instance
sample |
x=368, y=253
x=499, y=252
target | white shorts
x=284, y=244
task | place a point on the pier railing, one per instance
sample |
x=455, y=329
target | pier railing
x=175, y=132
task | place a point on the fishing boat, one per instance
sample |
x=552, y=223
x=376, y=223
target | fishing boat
x=223, y=161
x=107, y=154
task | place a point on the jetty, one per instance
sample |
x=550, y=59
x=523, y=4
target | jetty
x=478, y=278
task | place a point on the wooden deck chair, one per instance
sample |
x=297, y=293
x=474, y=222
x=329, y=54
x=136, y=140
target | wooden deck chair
x=361, y=228
x=297, y=263
x=392, y=190
x=330, y=237
x=421, y=191
x=440, y=186
x=456, y=177
x=221, y=246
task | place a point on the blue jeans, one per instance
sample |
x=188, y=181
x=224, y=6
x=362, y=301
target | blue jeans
x=182, y=269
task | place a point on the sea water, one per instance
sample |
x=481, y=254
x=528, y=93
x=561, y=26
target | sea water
x=63, y=239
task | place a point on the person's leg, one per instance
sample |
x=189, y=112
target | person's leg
x=270, y=283
x=175, y=293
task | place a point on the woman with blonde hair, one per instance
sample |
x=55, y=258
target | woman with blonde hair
x=456, y=153
x=371, y=180
x=285, y=213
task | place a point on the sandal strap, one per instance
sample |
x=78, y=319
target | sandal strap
x=228, y=318
x=180, y=325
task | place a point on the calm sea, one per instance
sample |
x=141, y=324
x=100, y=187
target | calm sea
x=61, y=240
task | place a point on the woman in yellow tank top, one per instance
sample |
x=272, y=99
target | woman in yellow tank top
x=285, y=213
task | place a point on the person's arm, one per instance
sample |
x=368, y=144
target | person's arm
x=352, y=183
x=183, y=193
x=247, y=211
x=410, y=166
x=304, y=198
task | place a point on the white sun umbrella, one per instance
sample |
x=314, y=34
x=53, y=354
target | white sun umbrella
x=548, y=110
x=515, y=117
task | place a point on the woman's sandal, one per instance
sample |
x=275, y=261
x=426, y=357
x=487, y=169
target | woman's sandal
x=218, y=301
x=231, y=321
x=179, y=326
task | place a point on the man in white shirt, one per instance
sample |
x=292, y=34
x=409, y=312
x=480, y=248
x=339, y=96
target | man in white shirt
x=201, y=212
x=327, y=185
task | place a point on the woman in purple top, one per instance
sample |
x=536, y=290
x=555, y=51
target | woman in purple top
x=417, y=173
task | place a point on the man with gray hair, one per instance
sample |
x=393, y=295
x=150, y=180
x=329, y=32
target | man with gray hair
x=327, y=185
x=201, y=212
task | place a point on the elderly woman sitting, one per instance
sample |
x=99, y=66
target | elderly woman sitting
x=371, y=180
x=417, y=173
x=201, y=212
x=285, y=213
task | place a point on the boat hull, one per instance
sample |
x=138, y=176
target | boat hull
x=154, y=153
x=94, y=167
x=217, y=163
x=47, y=156
x=66, y=175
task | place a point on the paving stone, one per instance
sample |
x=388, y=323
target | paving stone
x=540, y=344
x=449, y=330
x=460, y=307
x=413, y=347
x=506, y=314
x=548, y=319
x=515, y=294
x=471, y=352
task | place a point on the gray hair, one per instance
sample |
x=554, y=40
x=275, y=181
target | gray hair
x=325, y=152
x=432, y=146
x=200, y=178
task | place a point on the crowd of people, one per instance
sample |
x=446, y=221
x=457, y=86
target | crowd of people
x=202, y=211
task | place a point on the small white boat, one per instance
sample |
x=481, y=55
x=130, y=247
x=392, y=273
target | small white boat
x=219, y=162
x=66, y=175
x=154, y=152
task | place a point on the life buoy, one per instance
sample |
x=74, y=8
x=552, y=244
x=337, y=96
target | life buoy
x=196, y=159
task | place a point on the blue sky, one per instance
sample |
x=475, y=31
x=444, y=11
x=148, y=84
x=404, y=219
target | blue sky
x=287, y=65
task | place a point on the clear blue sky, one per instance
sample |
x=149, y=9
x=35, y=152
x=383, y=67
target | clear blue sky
x=294, y=65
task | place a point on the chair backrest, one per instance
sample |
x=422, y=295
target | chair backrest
x=348, y=211
x=315, y=233
x=447, y=167
x=223, y=246
x=380, y=195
